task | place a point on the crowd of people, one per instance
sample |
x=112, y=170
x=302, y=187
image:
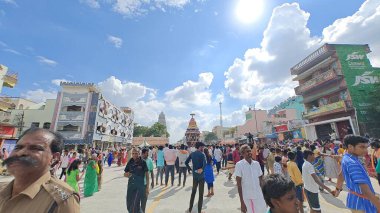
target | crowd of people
x=270, y=177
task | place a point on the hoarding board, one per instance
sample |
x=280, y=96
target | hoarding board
x=363, y=82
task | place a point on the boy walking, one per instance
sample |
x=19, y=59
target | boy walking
x=312, y=182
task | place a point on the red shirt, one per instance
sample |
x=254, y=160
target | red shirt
x=236, y=156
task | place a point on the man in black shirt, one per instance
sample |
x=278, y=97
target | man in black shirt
x=198, y=160
x=136, y=170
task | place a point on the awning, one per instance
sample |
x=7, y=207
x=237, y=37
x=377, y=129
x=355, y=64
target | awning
x=329, y=121
x=273, y=135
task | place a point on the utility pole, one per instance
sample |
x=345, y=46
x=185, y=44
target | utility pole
x=221, y=121
x=254, y=110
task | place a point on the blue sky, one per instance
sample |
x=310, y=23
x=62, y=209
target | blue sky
x=176, y=56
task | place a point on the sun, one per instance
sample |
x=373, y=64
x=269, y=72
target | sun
x=248, y=11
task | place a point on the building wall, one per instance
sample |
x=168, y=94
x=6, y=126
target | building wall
x=251, y=121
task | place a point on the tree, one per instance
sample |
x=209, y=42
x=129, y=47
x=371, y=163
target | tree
x=156, y=130
x=139, y=130
x=211, y=137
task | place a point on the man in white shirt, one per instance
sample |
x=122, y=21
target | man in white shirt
x=249, y=180
x=64, y=163
x=311, y=181
x=218, y=155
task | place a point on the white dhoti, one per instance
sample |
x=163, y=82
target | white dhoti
x=257, y=205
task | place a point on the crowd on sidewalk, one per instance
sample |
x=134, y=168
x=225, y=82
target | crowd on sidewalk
x=275, y=177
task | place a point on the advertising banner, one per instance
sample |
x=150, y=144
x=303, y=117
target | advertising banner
x=362, y=82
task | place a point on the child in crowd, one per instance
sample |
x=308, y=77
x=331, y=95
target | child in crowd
x=279, y=194
x=277, y=166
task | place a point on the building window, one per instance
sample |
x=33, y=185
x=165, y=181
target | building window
x=74, y=108
x=35, y=124
x=46, y=125
x=69, y=128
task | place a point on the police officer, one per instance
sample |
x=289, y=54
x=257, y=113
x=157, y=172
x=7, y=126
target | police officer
x=33, y=188
x=136, y=169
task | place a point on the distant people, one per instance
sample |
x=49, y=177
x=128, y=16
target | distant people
x=248, y=177
x=100, y=173
x=160, y=164
x=271, y=160
x=279, y=194
x=331, y=165
x=199, y=162
x=209, y=173
x=183, y=154
x=110, y=158
x=64, y=163
x=136, y=171
x=277, y=166
x=170, y=158
x=218, y=155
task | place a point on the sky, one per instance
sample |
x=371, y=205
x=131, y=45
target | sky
x=176, y=56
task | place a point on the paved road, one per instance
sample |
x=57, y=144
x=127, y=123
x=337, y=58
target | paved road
x=175, y=199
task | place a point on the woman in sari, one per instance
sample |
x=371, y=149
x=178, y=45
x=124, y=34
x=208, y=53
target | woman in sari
x=124, y=157
x=100, y=174
x=110, y=158
x=119, y=156
x=91, y=178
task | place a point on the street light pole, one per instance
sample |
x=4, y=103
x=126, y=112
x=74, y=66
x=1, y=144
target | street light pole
x=254, y=109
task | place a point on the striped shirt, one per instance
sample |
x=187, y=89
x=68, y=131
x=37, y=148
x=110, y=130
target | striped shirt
x=354, y=175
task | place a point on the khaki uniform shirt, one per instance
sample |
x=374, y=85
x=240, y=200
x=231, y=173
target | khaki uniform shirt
x=47, y=194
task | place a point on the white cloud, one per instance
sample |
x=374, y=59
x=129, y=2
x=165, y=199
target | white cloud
x=12, y=51
x=3, y=44
x=192, y=93
x=132, y=8
x=116, y=41
x=360, y=28
x=39, y=95
x=263, y=75
x=12, y=2
x=46, y=61
x=57, y=82
x=91, y=3
x=125, y=93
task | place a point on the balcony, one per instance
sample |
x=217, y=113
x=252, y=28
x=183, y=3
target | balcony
x=328, y=109
x=315, y=82
x=5, y=104
x=10, y=80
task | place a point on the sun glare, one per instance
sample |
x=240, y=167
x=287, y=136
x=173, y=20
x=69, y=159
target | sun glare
x=248, y=11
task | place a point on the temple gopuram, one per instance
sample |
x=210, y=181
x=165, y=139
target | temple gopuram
x=192, y=133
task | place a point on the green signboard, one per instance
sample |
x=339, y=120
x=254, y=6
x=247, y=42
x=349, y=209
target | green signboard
x=363, y=82
x=248, y=116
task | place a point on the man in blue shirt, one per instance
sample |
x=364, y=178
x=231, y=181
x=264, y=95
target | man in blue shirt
x=199, y=162
x=361, y=196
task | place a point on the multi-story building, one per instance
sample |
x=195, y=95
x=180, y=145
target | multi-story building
x=86, y=118
x=336, y=82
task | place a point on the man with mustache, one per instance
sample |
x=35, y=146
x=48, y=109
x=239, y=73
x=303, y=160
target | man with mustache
x=33, y=189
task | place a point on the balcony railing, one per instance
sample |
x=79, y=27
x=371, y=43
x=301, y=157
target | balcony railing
x=10, y=80
x=5, y=104
x=327, y=109
x=318, y=80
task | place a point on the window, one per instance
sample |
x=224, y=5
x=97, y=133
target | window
x=74, y=108
x=69, y=128
x=46, y=125
x=35, y=124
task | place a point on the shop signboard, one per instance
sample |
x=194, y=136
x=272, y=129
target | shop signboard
x=362, y=79
x=7, y=131
x=282, y=128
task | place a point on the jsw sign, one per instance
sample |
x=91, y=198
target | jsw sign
x=355, y=56
x=366, y=78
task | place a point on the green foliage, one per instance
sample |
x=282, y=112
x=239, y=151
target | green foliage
x=156, y=130
x=211, y=137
